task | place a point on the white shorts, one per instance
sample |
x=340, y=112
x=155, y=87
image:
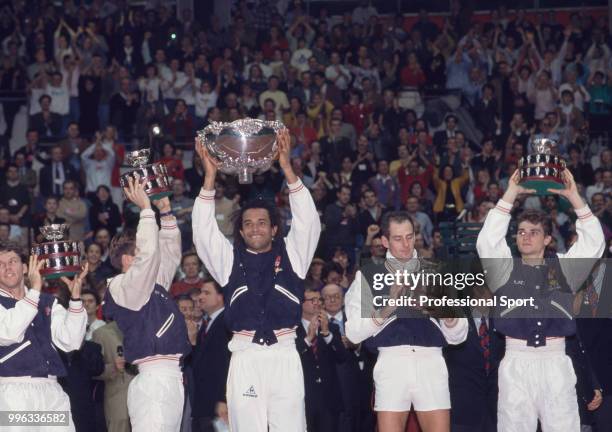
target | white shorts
x=34, y=394
x=265, y=388
x=411, y=375
x=537, y=383
x=156, y=397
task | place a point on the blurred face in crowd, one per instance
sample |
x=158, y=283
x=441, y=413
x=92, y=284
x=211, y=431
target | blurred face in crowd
x=333, y=298
x=531, y=240
x=312, y=304
x=32, y=138
x=401, y=240
x=125, y=86
x=347, y=165
x=56, y=80
x=451, y=123
x=5, y=216
x=597, y=201
x=210, y=300
x=257, y=230
x=73, y=130
x=19, y=160
x=191, y=266
x=447, y=173
x=11, y=271
x=12, y=174
x=94, y=252
x=89, y=303
x=178, y=187
x=103, y=238
x=607, y=178
x=5, y=232
x=377, y=249
x=102, y=194
x=412, y=204
x=369, y=197
x=383, y=167
x=51, y=205
x=70, y=190
x=186, y=308
x=45, y=104
x=335, y=127
x=344, y=196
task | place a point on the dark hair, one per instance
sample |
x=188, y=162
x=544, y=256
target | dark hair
x=183, y=297
x=93, y=293
x=190, y=254
x=329, y=267
x=537, y=217
x=214, y=283
x=12, y=247
x=258, y=203
x=40, y=99
x=122, y=244
x=397, y=217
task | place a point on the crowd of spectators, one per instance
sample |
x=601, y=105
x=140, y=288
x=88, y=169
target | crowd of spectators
x=102, y=78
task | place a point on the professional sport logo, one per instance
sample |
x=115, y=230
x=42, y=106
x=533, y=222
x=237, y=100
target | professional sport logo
x=250, y=392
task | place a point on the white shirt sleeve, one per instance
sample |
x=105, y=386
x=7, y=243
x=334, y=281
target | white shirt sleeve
x=214, y=249
x=68, y=326
x=15, y=321
x=492, y=247
x=133, y=288
x=170, y=252
x=591, y=244
x=303, y=237
x=454, y=335
x=360, y=322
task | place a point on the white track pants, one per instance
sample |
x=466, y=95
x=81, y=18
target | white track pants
x=537, y=383
x=156, y=397
x=265, y=387
x=34, y=394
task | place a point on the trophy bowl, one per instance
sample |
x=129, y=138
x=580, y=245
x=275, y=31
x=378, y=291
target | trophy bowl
x=61, y=257
x=244, y=146
x=542, y=169
x=155, y=174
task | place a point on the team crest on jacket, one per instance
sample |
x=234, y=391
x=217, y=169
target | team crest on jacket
x=277, y=267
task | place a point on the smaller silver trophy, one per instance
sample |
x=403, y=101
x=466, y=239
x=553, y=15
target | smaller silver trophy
x=541, y=170
x=61, y=257
x=244, y=146
x=155, y=174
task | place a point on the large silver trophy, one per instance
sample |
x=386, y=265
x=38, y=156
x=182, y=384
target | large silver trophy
x=244, y=146
x=61, y=257
x=541, y=170
x=155, y=174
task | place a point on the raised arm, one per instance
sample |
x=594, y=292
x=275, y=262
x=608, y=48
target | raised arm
x=68, y=326
x=169, y=244
x=133, y=288
x=491, y=244
x=213, y=248
x=305, y=229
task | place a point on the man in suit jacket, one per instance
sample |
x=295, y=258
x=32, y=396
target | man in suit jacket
x=354, y=374
x=440, y=137
x=115, y=376
x=321, y=349
x=335, y=147
x=46, y=123
x=210, y=361
x=472, y=373
x=55, y=173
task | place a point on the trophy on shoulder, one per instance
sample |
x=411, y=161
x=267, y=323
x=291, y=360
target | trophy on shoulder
x=244, y=147
x=541, y=170
x=61, y=257
x=155, y=175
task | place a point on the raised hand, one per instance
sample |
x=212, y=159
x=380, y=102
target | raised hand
x=75, y=284
x=34, y=267
x=284, y=149
x=135, y=192
x=211, y=164
x=515, y=189
x=163, y=204
x=570, y=191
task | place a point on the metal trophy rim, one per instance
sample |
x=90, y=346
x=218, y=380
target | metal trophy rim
x=243, y=128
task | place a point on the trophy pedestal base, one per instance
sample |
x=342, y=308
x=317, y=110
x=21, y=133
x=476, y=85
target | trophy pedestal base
x=541, y=185
x=159, y=195
x=67, y=273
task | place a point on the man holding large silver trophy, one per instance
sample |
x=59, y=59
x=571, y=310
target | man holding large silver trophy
x=262, y=276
